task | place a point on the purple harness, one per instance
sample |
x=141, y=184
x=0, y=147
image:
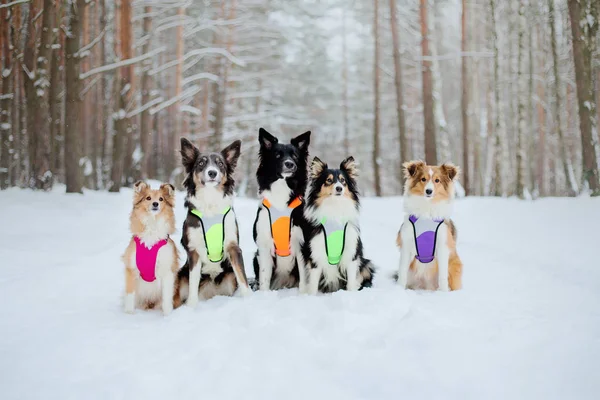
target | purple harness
x=425, y=230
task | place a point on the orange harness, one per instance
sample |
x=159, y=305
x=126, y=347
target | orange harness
x=281, y=225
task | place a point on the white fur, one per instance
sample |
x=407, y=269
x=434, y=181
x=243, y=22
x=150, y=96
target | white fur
x=442, y=254
x=296, y=243
x=407, y=252
x=340, y=208
x=423, y=207
x=279, y=194
x=155, y=229
x=210, y=200
x=130, y=303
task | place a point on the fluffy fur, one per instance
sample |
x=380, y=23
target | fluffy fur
x=282, y=177
x=333, y=194
x=152, y=220
x=209, y=183
x=429, y=192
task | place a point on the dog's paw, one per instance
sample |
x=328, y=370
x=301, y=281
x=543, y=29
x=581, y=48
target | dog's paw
x=192, y=302
x=129, y=305
x=444, y=287
x=353, y=287
x=245, y=291
x=167, y=309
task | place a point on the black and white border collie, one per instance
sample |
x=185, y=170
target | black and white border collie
x=282, y=178
x=209, y=183
x=331, y=208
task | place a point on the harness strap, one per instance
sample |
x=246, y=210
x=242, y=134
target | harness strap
x=281, y=225
x=335, y=240
x=145, y=258
x=213, y=229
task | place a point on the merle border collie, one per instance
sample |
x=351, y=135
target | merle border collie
x=427, y=237
x=282, y=178
x=210, y=234
x=327, y=234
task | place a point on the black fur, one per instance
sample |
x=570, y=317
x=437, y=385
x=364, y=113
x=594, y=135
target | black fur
x=320, y=172
x=272, y=156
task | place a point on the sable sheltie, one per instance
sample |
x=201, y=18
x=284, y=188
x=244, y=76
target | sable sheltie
x=151, y=259
x=282, y=177
x=327, y=235
x=427, y=237
x=210, y=233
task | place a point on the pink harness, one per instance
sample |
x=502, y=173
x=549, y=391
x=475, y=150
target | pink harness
x=145, y=258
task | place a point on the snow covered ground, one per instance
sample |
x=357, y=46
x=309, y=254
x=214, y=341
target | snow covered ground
x=526, y=325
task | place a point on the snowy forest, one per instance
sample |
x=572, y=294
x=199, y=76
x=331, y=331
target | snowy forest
x=96, y=93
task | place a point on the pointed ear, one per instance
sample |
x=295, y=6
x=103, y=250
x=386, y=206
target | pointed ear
x=266, y=140
x=301, y=141
x=317, y=167
x=350, y=166
x=231, y=153
x=450, y=170
x=167, y=190
x=410, y=168
x=189, y=154
x=140, y=186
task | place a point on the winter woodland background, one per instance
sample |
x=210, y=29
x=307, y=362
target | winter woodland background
x=96, y=94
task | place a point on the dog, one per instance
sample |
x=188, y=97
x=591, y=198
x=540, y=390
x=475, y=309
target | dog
x=327, y=235
x=282, y=178
x=151, y=259
x=427, y=237
x=210, y=233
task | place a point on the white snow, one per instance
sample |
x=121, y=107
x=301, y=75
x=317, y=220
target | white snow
x=525, y=326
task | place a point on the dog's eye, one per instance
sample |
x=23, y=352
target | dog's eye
x=437, y=181
x=221, y=164
x=161, y=199
x=148, y=198
x=278, y=155
x=329, y=181
x=423, y=180
x=342, y=181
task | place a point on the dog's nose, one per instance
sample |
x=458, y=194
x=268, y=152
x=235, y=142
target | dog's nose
x=155, y=204
x=428, y=191
x=289, y=164
x=339, y=189
x=212, y=174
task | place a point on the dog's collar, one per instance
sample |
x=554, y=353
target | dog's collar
x=145, y=258
x=293, y=204
x=213, y=229
x=425, y=230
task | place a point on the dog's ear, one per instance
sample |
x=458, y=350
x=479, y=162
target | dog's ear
x=450, y=170
x=317, y=167
x=167, y=190
x=410, y=168
x=301, y=141
x=140, y=186
x=350, y=166
x=231, y=154
x=189, y=154
x=266, y=140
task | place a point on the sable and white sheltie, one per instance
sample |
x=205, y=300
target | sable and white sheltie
x=151, y=259
x=210, y=233
x=327, y=235
x=427, y=237
x=282, y=177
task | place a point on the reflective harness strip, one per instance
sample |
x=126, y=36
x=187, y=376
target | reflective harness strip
x=335, y=239
x=213, y=229
x=145, y=258
x=280, y=221
x=425, y=230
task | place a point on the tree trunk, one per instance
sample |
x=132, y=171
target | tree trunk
x=28, y=70
x=103, y=104
x=499, y=146
x=16, y=171
x=55, y=96
x=465, y=99
x=346, y=128
x=120, y=158
x=376, y=73
x=584, y=38
x=5, y=99
x=404, y=155
x=428, y=115
x=541, y=120
x=146, y=118
x=520, y=160
x=73, y=134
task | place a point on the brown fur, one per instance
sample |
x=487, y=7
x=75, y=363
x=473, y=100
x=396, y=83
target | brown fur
x=237, y=262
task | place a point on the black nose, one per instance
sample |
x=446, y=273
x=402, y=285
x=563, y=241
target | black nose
x=289, y=164
x=212, y=174
x=155, y=204
x=339, y=189
x=428, y=191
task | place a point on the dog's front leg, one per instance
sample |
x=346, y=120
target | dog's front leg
x=348, y=259
x=168, y=282
x=297, y=240
x=237, y=262
x=195, y=266
x=314, y=277
x=443, y=257
x=407, y=254
x=129, y=301
x=265, y=266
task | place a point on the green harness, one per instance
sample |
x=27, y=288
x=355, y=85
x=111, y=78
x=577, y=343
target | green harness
x=214, y=233
x=335, y=237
